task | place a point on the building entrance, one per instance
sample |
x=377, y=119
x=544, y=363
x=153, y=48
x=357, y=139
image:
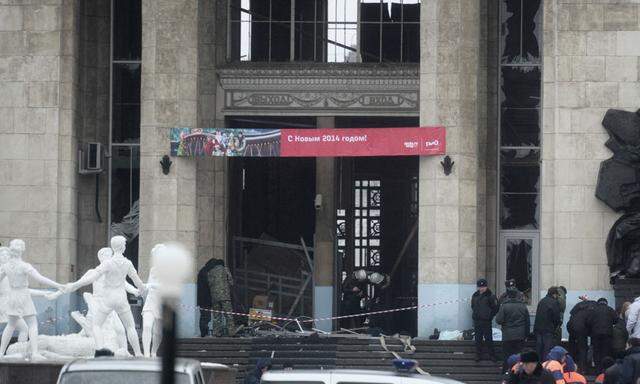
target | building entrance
x=377, y=216
x=271, y=225
x=273, y=219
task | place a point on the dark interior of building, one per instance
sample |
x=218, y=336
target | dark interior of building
x=272, y=220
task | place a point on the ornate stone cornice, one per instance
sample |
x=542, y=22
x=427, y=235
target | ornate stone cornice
x=339, y=88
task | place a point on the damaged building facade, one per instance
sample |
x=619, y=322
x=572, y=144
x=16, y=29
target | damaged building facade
x=521, y=87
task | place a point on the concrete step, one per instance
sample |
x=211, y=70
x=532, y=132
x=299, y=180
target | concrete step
x=452, y=359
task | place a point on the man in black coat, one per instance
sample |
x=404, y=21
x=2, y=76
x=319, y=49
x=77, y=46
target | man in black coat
x=579, y=328
x=602, y=321
x=513, y=316
x=613, y=374
x=484, y=306
x=530, y=371
x=631, y=363
x=548, y=318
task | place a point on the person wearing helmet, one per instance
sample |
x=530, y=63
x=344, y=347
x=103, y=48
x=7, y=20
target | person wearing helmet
x=353, y=291
x=555, y=363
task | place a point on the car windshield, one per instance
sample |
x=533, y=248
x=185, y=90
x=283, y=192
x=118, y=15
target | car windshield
x=119, y=377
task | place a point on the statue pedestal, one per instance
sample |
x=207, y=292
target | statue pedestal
x=626, y=290
x=22, y=372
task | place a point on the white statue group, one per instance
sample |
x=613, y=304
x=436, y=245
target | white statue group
x=108, y=322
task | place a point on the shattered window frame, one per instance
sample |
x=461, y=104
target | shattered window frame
x=520, y=107
x=341, y=32
x=519, y=176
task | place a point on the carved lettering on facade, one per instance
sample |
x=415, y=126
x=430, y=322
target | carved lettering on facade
x=380, y=100
x=343, y=90
x=269, y=99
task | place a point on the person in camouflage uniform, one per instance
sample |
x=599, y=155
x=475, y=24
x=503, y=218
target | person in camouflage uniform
x=220, y=282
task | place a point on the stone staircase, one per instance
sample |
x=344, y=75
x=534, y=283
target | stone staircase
x=452, y=359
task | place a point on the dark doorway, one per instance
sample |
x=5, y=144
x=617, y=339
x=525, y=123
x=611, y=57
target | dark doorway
x=376, y=212
x=271, y=207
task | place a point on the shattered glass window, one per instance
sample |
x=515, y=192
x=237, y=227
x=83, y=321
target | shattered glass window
x=520, y=100
x=520, y=31
x=519, y=265
x=519, y=188
x=325, y=30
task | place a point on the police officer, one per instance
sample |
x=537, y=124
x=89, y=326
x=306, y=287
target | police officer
x=579, y=327
x=548, y=318
x=604, y=317
x=484, y=306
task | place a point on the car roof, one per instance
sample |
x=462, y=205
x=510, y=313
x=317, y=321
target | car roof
x=354, y=375
x=134, y=364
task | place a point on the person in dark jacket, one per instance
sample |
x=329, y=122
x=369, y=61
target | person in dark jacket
x=511, y=284
x=631, y=363
x=484, y=306
x=613, y=374
x=607, y=363
x=620, y=335
x=562, y=302
x=513, y=316
x=547, y=320
x=204, y=295
x=262, y=366
x=602, y=321
x=579, y=328
x=353, y=291
x=530, y=371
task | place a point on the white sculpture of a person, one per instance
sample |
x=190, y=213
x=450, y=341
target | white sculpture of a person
x=19, y=304
x=152, y=310
x=93, y=301
x=21, y=326
x=114, y=297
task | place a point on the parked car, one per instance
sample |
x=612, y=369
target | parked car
x=107, y=370
x=404, y=374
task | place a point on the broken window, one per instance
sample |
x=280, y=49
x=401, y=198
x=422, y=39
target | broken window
x=519, y=188
x=520, y=31
x=325, y=30
x=520, y=103
x=520, y=265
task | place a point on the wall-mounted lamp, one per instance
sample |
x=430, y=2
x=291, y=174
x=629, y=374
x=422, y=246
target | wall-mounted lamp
x=447, y=165
x=166, y=164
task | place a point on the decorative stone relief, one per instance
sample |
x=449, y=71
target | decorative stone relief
x=328, y=88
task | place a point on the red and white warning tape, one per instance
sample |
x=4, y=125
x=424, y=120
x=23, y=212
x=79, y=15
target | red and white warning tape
x=307, y=320
x=53, y=320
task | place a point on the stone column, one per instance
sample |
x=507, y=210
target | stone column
x=211, y=177
x=447, y=235
x=323, y=257
x=169, y=99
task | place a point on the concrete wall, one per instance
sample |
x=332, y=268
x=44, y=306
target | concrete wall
x=38, y=181
x=591, y=54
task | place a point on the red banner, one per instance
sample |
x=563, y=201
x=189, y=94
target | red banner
x=329, y=142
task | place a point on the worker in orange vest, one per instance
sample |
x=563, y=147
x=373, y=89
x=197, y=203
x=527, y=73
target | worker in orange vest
x=570, y=374
x=554, y=364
